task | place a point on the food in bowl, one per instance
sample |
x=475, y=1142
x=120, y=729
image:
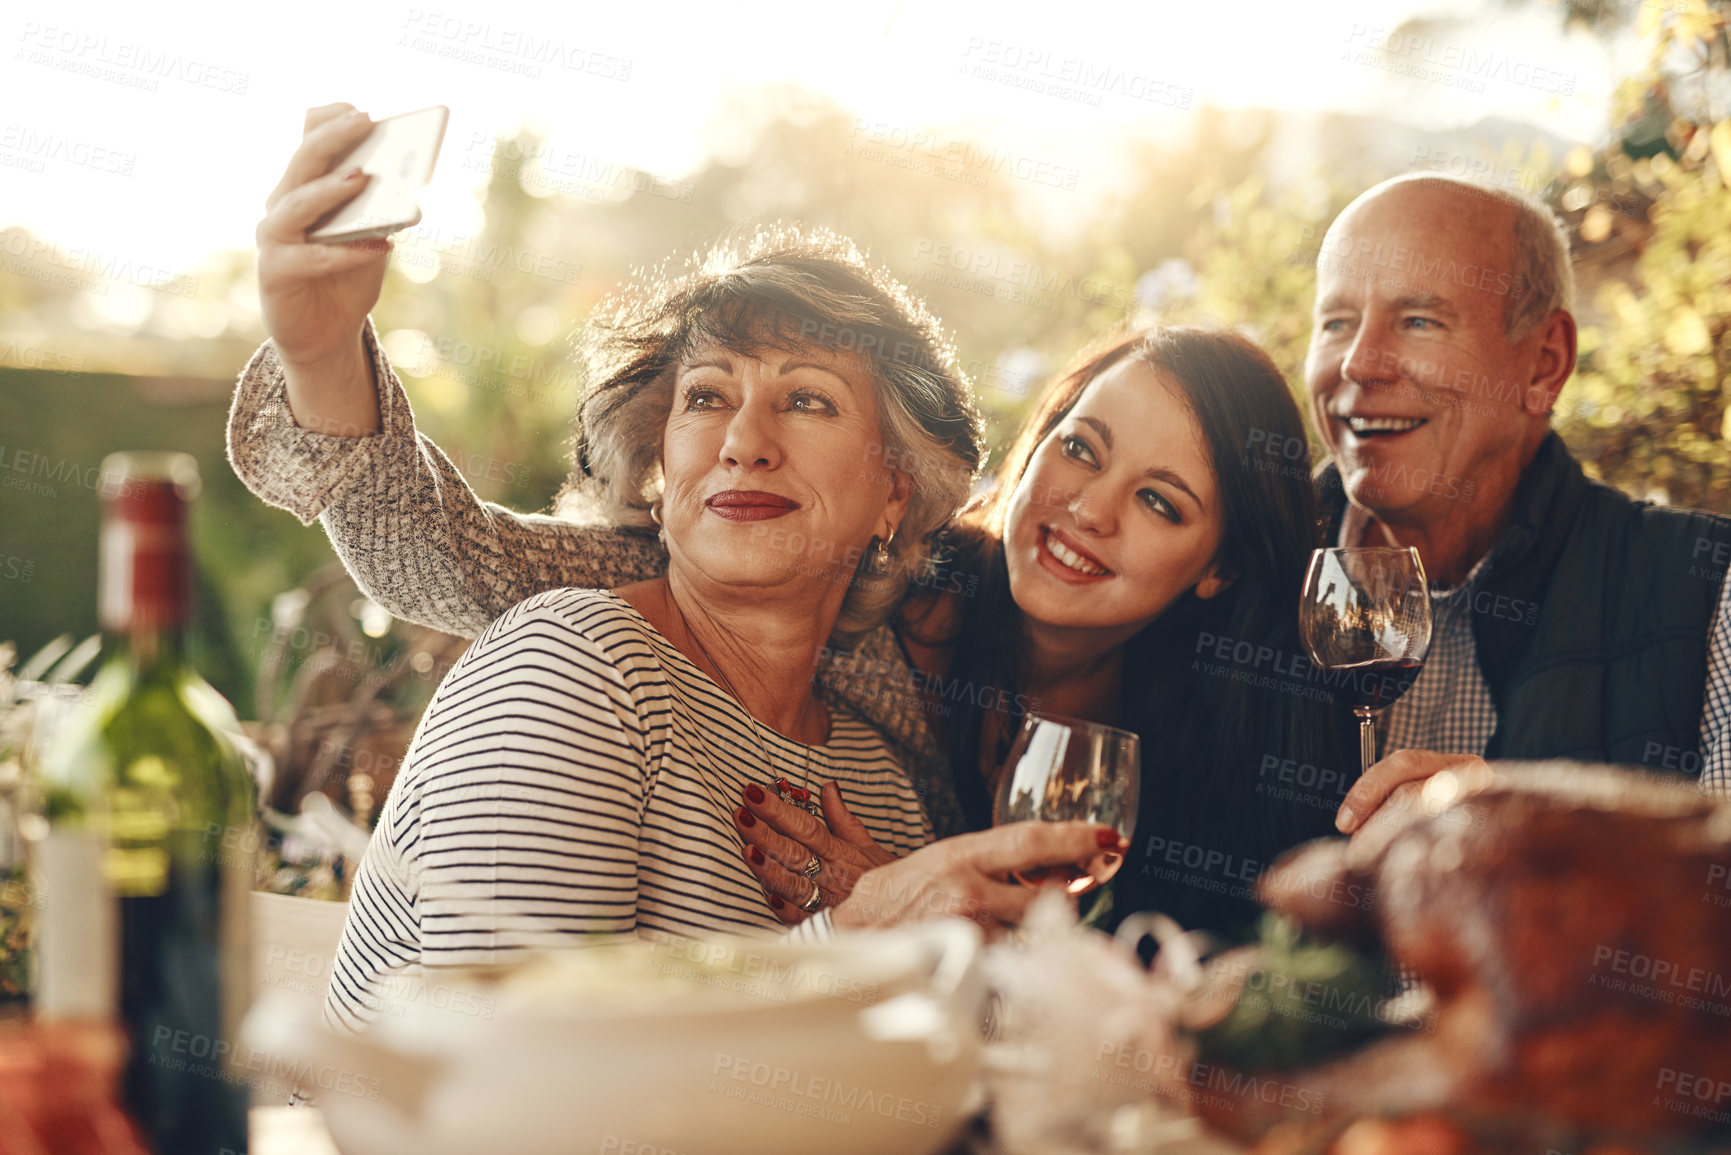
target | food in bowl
x=868, y=1043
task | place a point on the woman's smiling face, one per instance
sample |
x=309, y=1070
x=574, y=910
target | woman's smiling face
x=775, y=470
x=1117, y=514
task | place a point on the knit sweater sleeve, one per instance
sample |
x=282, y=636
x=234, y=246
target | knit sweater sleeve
x=876, y=679
x=413, y=534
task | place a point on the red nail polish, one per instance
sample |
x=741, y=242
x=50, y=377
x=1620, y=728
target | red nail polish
x=1110, y=840
x=776, y=902
x=754, y=792
x=756, y=856
x=744, y=817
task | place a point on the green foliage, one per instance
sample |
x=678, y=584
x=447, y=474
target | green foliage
x=1302, y=1001
x=1256, y=264
x=1648, y=409
x=1258, y=271
x=1651, y=406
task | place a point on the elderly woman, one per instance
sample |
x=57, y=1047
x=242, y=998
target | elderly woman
x=576, y=772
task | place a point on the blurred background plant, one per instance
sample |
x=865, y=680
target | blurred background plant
x=340, y=687
x=32, y=698
x=1650, y=407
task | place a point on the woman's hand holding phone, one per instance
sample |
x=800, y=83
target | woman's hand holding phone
x=315, y=297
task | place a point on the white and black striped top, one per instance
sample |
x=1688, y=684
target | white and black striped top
x=576, y=775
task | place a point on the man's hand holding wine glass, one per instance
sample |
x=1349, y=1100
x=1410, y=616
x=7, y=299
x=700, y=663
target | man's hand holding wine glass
x=1390, y=792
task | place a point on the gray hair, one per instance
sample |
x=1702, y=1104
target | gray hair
x=1543, y=275
x=1540, y=252
x=780, y=287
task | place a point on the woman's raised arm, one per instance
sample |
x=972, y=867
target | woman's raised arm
x=402, y=518
x=321, y=427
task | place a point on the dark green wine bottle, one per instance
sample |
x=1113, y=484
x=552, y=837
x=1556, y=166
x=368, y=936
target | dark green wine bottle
x=146, y=865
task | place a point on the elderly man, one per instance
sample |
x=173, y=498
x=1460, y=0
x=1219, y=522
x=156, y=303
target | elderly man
x=1570, y=621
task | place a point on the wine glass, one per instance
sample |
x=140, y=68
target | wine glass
x=1063, y=770
x=1365, y=618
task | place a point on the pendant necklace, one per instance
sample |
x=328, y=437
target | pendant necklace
x=783, y=789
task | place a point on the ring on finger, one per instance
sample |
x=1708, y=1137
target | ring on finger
x=815, y=902
x=812, y=868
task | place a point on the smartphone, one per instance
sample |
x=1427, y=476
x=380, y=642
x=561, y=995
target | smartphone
x=398, y=155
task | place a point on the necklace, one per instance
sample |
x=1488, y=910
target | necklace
x=803, y=797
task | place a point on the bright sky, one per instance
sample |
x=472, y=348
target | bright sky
x=154, y=131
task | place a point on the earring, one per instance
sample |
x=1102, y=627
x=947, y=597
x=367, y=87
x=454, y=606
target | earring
x=878, y=556
x=655, y=516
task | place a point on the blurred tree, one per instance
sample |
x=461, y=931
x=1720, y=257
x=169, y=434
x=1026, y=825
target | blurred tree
x=474, y=322
x=1650, y=410
x=1256, y=268
x=468, y=319
x=471, y=320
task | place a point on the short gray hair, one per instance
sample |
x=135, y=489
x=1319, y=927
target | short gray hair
x=782, y=287
x=1540, y=252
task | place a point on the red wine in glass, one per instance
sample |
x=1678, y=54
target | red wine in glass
x=1064, y=770
x=1377, y=685
x=1365, y=619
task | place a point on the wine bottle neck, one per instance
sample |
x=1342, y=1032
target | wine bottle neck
x=144, y=584
x=147, y=653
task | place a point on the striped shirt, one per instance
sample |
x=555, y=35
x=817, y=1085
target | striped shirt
x=574, y=779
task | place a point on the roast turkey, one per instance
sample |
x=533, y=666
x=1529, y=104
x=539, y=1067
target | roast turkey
x=1572, y=925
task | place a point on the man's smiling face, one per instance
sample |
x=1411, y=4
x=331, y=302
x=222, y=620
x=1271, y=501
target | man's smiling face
x=1415, y=387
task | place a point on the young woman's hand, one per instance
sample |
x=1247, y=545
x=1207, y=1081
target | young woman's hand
x=782, y=841
x=968, y=876
x=315, y=297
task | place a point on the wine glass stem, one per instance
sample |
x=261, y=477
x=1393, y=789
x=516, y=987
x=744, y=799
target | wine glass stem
x=1366, y=739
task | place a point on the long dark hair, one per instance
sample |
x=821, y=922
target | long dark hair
x=1209, y=731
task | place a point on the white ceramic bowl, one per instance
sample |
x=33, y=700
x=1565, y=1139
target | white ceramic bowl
x=867, y=1044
